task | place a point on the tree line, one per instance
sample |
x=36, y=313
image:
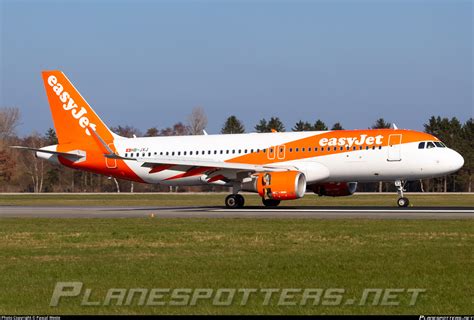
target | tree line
x=22, y=172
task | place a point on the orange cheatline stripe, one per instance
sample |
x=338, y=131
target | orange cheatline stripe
x=191, y=172
x=314, y=141
x=160, y=168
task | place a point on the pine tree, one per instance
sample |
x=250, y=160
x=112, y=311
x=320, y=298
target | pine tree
x=232, y=125
x=262, y=126
x=320, y=126
x=276, y=124
x=380, y=124
x=337, y=126
x=51, y=137
x=302, y=126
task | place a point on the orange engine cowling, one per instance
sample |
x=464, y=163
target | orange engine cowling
x=285, y=185
x=335, y=189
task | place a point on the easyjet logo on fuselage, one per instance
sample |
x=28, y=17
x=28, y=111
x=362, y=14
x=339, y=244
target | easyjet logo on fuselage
x=358, y=141
x=69, y=105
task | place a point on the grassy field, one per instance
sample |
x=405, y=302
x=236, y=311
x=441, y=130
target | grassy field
x=180, y=199
x=236, y=253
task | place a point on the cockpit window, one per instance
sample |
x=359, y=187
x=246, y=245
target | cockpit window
x=430, y=145
x=440, y=144
x=421, y=145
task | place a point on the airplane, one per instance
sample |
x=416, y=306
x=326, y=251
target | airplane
x=278, y=165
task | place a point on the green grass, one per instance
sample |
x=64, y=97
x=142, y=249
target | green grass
x=436, y=255
x=179, y=199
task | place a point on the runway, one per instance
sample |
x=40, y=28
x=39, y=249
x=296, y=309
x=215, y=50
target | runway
x=247, y=212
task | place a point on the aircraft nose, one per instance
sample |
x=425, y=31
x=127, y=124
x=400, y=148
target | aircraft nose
x=457, y=161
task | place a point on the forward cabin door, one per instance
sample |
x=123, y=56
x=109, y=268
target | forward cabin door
x=394, y=147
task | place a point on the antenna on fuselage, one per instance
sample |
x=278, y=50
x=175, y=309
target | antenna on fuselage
x=394, y=126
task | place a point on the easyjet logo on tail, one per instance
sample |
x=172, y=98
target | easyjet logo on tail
x=363, y=139
x=69, y=105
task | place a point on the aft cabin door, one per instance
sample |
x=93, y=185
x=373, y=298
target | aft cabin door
x=111, y=163
x=394, y=147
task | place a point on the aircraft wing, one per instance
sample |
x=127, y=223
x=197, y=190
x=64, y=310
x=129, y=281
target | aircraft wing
x=214, y=170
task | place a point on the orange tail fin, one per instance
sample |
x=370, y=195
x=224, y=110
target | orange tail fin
x=72, y=115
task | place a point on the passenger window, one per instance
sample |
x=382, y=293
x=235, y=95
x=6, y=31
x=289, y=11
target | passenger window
x=222, y=151
x=430, y=145
x=179, y=153
x=297, y=149
x=342, y=148
x=309, y=149
x=421, y=145
x=227, y=151
x=302, y=149
x=161, y=153
x=209, y=152
x=251, y=150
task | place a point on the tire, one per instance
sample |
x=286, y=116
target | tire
x=240, y=200
x=233, y=201
x=403, y=202
x=270, y=202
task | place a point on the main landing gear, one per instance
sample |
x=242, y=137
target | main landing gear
x=233, y=201
x=402, y=201
x=270, y=202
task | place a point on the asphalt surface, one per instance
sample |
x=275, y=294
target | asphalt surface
x=247, y=212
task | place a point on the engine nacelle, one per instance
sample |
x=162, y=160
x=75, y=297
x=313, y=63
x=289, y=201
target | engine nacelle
x=284, y=185
x=335, y=189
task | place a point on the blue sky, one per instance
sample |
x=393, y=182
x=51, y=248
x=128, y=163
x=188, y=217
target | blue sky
x=148, y=63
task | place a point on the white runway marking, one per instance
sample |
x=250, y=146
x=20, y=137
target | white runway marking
x=346, y=210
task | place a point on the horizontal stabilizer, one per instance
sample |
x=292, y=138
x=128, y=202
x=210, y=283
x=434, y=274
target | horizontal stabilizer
x=72, y=155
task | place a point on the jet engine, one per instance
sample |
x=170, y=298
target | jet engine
x=284, y=185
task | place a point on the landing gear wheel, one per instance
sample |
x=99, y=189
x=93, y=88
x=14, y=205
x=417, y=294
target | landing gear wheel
x=403, y=202
x=240, y=200
x=233, y=201
x=270, y=202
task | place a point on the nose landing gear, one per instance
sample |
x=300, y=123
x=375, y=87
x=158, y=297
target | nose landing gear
x=402, y=201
